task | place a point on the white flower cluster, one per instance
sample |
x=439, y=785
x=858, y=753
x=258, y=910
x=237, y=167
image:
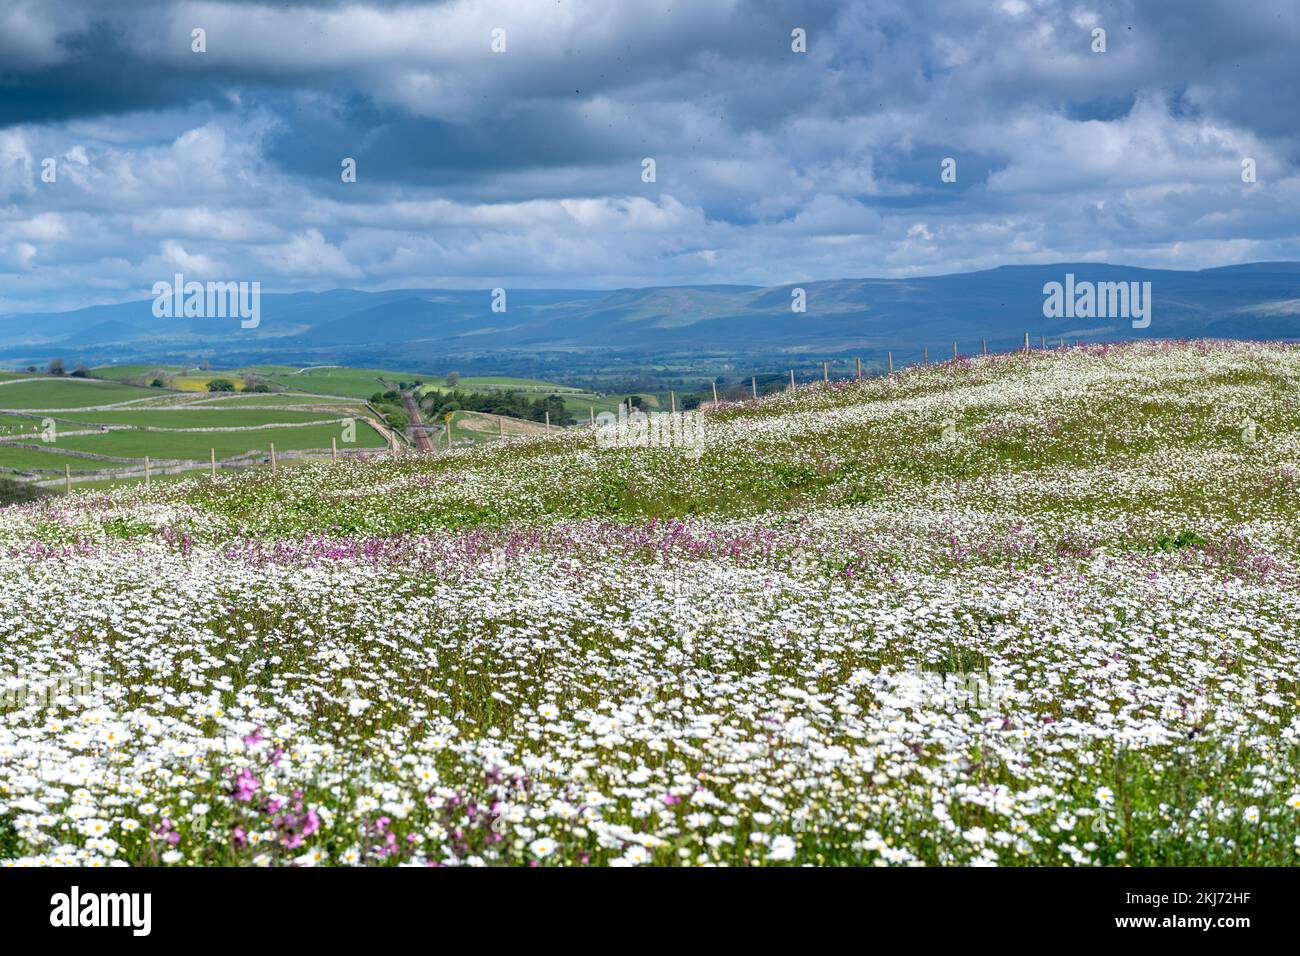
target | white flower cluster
x=1066, y=637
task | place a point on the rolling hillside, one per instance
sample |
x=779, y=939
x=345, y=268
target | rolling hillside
x=1035, y=609
x=85, y=430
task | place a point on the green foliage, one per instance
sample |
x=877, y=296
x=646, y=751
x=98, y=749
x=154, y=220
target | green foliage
x=511, y=404
x=10, y=845
x=126, y=526
x=221, y=385
x=1184, y=539
x=18, y=492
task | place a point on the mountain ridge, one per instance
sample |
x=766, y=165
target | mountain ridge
x=1244, y=300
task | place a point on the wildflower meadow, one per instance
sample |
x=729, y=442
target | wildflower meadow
x=1038, y=608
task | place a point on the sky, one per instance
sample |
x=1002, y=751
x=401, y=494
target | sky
x=526, y=167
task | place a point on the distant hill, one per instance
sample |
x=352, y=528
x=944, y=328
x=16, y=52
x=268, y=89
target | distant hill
x=1252, y=300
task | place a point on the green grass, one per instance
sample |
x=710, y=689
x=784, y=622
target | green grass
x=271, y=398
x=19, y=424
x=28, y=459
x=203, y=417
x=66, y=393
x=349, y=382
x=69, y=401
x=197, y=445
x=507, y=384
x=199, y=471
x=504, y=629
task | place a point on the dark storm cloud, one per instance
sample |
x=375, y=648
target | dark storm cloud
x=525, y=167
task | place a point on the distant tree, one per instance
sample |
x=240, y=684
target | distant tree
x=32, y=368
x=56, y=367
x=205, y=365
x=453, y=379
x=16, y=492
x=553, y=405
x=157, y=383
x=737, y=393
x=221, y=385
x=81, y=371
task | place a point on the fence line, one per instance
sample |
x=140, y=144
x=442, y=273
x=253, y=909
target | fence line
x=856, y=372
x=253, y=458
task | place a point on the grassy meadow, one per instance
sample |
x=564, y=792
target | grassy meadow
x=51, y=424
x=1033, y=609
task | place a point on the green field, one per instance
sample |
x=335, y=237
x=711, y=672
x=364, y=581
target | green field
x=507, y=384
x=350, y=382
x=23, y=458
x=161, y=424
x=204, y=417
x=18, y=424
x=197, y=445
x=67, y=393
x=184, y=421
x=270, y=398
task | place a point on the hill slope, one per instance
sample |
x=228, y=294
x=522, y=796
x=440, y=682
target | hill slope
x=866, y=316
x=1031, y=609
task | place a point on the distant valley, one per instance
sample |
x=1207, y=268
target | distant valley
x=428, y=328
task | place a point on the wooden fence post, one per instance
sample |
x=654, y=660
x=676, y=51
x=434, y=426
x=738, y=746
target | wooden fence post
x=591, y=411
x=792, y=378
x=954, y=351
x=1026, y=343
x=891, y=362
x=715, y=393
x=925, y=355
x=146, y=471
x=753, y=384
x=672, y=402
x=214, y=462
x=859, y=373
x=1042, y=342
x=826, y=375
x=273, y=467
x=334, y=448
x=548, y=420
x=984, y=344
x=67, y=478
